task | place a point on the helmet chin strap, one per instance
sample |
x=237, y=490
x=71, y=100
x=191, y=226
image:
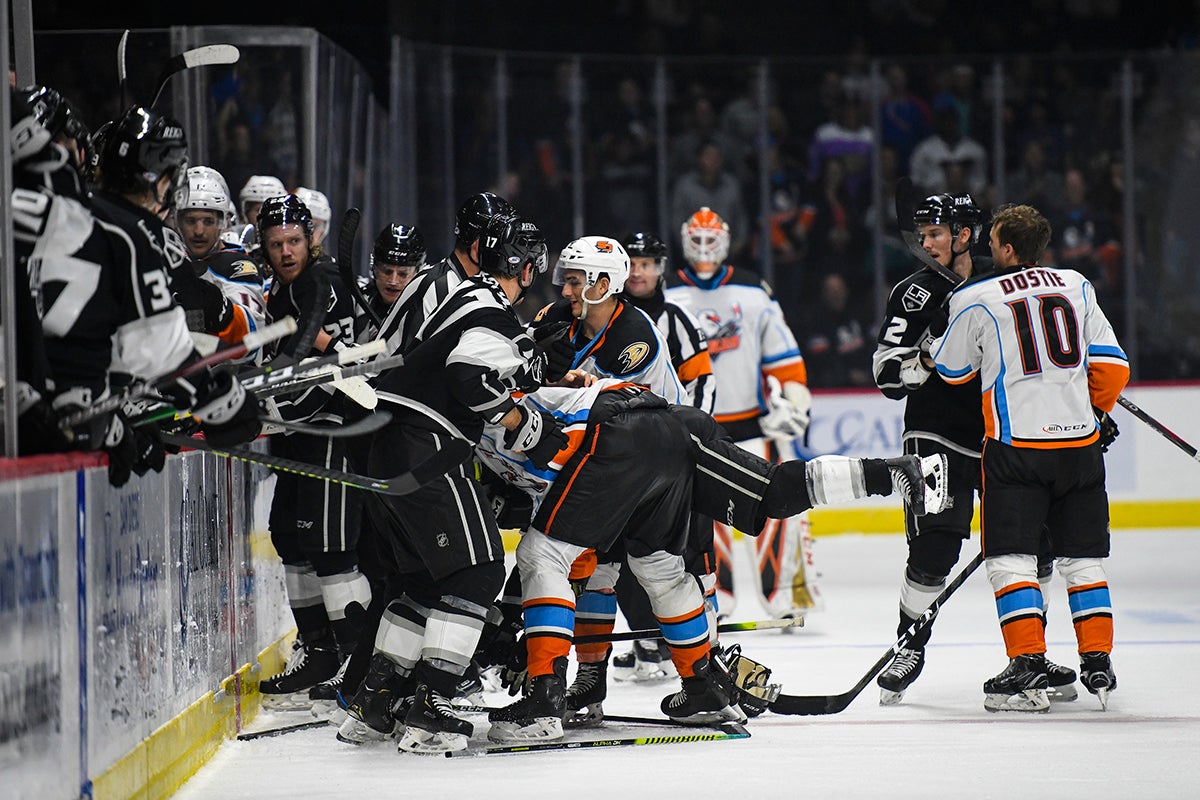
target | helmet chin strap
x=585, y=303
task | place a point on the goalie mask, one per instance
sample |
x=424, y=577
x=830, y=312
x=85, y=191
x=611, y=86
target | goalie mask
x=597, y=257
x=705, y=239
x=140, y=149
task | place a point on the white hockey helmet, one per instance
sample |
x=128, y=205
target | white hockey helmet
x=705, y=238
x=205, y=190
x=259, y=189
x=317, y=203
x=595, y=256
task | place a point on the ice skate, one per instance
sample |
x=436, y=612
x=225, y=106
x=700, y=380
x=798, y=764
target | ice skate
x=586, y=694
x=644, y=663
x=701, y=701
x=1020, y=687
x=537, y=717
x=903, y=670
x=328, y=697
x=469, y=692
x=431, y=727
x=1062, y=683
x=369, y=714
x=921, y=481
x=288, y=691
x=1097, y=674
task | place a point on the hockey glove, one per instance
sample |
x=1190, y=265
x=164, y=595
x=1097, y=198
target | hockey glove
x=515, y=671
x=122, y=451
x=790, y=408
x=501, y=633
x=555, y=351
x=228, y=415
x=914, y=373
x=196, y=294
x=37, y=425
x=1108, y=429
x=539, y=436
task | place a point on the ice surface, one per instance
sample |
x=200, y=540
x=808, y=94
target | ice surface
x=938, y=743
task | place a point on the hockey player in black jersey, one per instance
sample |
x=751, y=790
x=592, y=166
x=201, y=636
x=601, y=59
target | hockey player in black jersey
x=314, y=525
x=98, y=267
x=469, y=356
x=220, y=288
x=938, y=418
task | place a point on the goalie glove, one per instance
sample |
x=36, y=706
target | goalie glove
x=539, y=436
x=790, y=409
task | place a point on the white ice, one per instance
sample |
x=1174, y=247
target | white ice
x=938, y=743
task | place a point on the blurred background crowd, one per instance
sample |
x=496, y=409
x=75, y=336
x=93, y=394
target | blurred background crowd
x=793, y=123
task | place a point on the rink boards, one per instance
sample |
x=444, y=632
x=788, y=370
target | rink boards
x=133, y=621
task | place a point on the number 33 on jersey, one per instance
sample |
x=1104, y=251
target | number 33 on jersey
x=1036, y=336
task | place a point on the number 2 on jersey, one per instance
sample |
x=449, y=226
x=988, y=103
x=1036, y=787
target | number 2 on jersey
x=1060, y=332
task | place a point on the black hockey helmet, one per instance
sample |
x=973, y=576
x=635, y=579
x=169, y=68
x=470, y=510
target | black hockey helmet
x=474, y=215
x=399, y=245
x=284, y=210
x=91, y=163
x=507, y=243
x=956, y=211
x=56, y=113
x=647, y=245
x=141, y=147
x=27, y=135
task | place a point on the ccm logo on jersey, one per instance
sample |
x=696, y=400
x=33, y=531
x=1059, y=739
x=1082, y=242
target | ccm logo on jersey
x=632, y=356
x=915, y=298
x=1052, y=428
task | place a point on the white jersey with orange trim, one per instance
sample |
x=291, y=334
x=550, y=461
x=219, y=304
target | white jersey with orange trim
x=572, y=407
x=748, y=338
x=1044, y=350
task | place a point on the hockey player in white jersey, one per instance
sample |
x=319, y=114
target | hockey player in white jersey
x=753, y=351
x=1050, y=370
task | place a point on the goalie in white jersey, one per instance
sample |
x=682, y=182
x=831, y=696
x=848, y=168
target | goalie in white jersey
x=761, y=394
x=1051, y=369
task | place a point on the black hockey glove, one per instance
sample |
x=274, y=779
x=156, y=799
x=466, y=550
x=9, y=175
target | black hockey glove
x=37, y=424
x=554, y=349
x=122, y=451
x=539, y=436
x=196, y=294
x=515, y=671
x=501, y=633
x=1108, y=429
x=228, y=414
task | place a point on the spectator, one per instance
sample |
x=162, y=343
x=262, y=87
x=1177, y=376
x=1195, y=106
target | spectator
x=1085, y=240
x=700, y=123
x=1034, y=183
x=835, y=349
x=709, y=184
x=846, y=137
x=905, y=118
x=948, y=146
x=837, y=241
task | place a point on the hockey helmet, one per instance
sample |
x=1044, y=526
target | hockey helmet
x=647, y=245
x=259, y=189
x=597, y=257
x=508, y=243
x=317, y=203
x=473, y=216
x=956, y=211
x=399, y=245
x=206, y=190
x=140, y=148
x=705, y=238
x=27, y=136
x=56, y=114
x=286, y=209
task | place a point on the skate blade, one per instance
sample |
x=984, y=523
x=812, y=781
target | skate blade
x=590, y=716
x=644, y=674
x=1102, y=696
x=1030, y=701
x=296, y=701
x=889, y=698
x=1062, y=694
x=325, y=709
x=355, y=731
x=730, y=713
x=540, y=729
x=426, y=743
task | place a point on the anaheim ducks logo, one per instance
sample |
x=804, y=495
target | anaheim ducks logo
x=632, y=356
x=243, y=269
x=603, y=246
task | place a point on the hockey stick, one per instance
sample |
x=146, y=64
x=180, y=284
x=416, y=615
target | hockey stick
x=808, y=705
x=247, y=736
x=1166, y=432
x=250, y=342
x=729, y=731
x=121, y=45
x=207, y=55
x=726, y=627
x=345, y=261
x=449, y=456
x=306, y=380
x=368, y=424
x=905, y=205
x=280, y=369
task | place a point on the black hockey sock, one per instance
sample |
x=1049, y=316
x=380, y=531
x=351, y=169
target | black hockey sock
x=311, y=622
x=877, y=476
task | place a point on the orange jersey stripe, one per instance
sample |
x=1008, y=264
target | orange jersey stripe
x=571, y=482
x=694, y=367
x=738, y=416
x=548, y=601
x=1094, y=634
x=583, y=566
x=1105, y=382
x=990, y=428
x=237, y=328
x=1058, y=445
x=1022, y=636
x=795, y=371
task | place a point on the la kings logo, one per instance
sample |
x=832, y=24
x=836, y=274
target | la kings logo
x=915, y=298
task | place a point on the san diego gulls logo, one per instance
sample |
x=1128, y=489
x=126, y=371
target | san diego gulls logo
x=632, y=356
